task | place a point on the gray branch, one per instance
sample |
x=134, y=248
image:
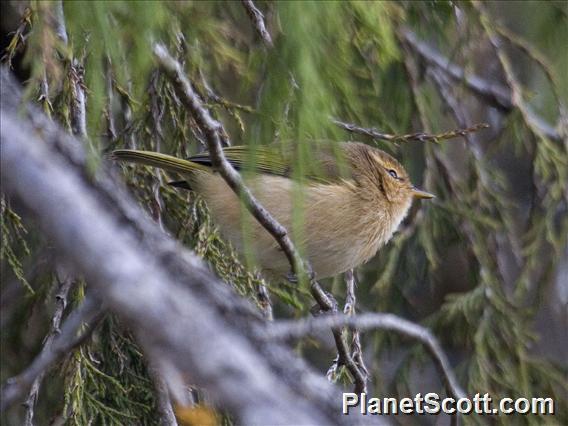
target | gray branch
x=59, y=22
x=212, y=130
x=489, y=91
x=90, y=313
x=296, y=329
x=182, y=315
x=350, y=310
x=257, y=19
x=418, y=136
x=163, y=400
x=64, y=283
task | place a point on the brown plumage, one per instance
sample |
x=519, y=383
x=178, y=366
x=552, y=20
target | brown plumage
x=349, y=210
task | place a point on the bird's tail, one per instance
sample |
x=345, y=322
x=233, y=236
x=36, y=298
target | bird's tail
x=162, y=161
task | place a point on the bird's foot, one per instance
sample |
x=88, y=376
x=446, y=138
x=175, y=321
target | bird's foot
x=317, y=310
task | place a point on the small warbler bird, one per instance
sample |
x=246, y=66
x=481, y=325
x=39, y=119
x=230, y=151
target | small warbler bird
x=350, y=210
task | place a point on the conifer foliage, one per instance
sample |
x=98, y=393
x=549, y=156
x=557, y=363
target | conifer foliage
x=483, y=266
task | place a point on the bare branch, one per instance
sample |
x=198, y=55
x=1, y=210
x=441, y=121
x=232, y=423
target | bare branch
x=491, y=92
x=89, y=313
x=63, y=287
x=535, y=124
x=420, y=136
x=352, y=360
x=297, y=329
x=264, y=300
x=212, y=129
x=109, y=91
x=59, y=22
x=257, y=19
x=182, y=315
x=350, y=310
x=78, y=105
x=163, y=401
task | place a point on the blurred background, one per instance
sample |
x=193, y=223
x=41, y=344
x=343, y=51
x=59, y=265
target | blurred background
x=484, y=265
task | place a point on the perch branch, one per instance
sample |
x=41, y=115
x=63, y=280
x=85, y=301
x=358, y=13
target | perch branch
x=163, y=400
x=212, y=130
x=296, y=329
x=350, y=309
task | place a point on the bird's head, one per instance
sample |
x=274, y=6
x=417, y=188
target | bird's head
x=386, y=178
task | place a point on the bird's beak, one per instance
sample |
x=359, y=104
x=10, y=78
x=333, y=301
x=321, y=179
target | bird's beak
x=418, y=193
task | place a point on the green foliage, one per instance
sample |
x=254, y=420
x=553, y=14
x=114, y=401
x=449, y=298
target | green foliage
x=14, y=247
x=344, y=60
x=107, y=382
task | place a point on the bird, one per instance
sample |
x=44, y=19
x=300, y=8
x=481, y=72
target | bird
x=350, y=209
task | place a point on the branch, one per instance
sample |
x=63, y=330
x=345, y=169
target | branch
x=181, y=314
x=63, y=287
x=59, y=22
x=163, y=400
x=534, y=123
x=297, y=329
x=420, y=136
x=264, y=300
x=350, y=310
x=491, y=92
x=257, y=19
x=212, y=130
x=89, y=313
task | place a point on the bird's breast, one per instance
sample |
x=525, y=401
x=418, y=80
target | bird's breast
x=337, y=229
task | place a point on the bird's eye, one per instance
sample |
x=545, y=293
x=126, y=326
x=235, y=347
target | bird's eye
x=393, y=173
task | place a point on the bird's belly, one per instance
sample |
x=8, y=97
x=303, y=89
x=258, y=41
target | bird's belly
x=332, y=233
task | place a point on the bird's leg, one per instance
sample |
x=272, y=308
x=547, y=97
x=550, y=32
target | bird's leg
x=317, y=310
x=292, y=277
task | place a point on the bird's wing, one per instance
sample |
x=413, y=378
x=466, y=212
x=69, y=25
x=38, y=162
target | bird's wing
x=265, y=159
x=273, y=160
x=157, y=159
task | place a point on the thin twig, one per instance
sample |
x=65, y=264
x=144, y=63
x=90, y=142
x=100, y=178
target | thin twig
x=89, y=313
x=419, y=136
x=535, y=55
x=350, y=310
x=287, y=329
x=156, y=113
x=78, y=100
x=492, y=92
x=63, y=287
x=355, y=357
x=264, y=299
x=212, y=130
x=111, y=125
x=78, y=107
x=19, y=37
x=44, y=94
x=257, y=19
